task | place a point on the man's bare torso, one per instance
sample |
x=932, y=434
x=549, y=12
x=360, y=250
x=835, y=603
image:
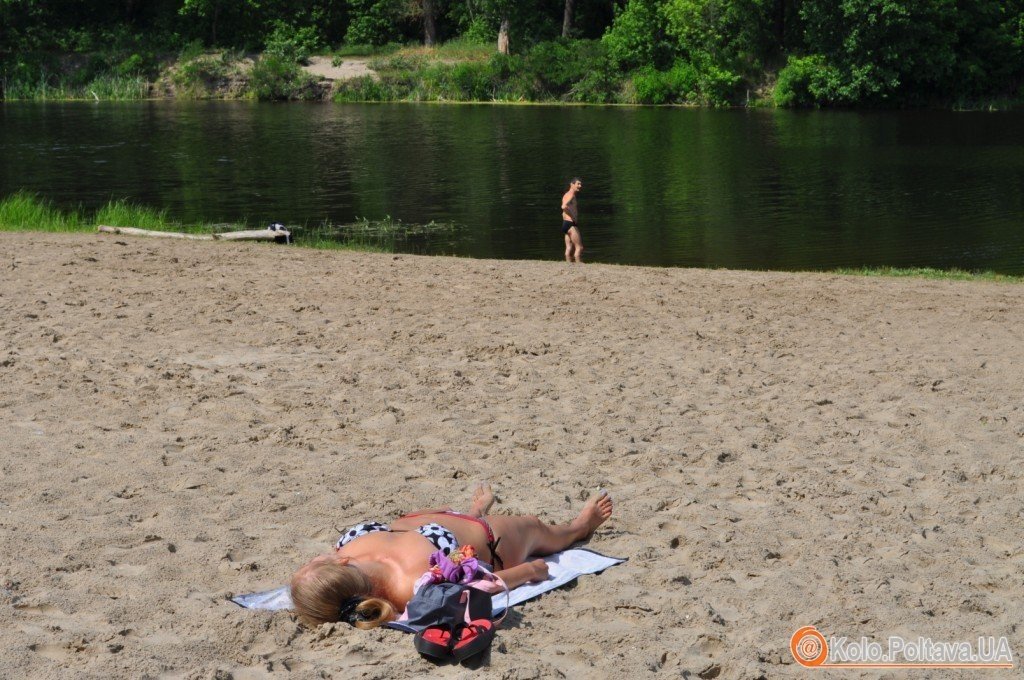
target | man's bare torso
x=571, y=212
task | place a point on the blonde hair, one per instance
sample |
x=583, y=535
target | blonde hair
x=319, y=589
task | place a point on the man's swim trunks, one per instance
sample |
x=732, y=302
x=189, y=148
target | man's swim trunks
x=567, y=225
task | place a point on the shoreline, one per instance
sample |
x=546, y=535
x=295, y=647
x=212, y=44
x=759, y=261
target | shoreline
x=185, y=422
x=225, y=75
x=23, y=212
x=993, y=106
x=885, y=272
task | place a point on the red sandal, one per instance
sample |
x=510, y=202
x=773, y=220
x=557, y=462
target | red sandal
x=473, y=638
x=435, y=641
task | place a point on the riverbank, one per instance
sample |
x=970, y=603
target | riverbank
x=24, y=212
x=556, y=72
x=453, y=72
x=457, y=71
x=185, y=421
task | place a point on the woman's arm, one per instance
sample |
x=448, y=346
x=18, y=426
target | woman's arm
x=527, y=572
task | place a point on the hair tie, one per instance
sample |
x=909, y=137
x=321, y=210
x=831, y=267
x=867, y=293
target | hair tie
x=347, y=610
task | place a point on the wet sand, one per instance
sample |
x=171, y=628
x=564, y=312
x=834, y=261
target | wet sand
x=184, y=421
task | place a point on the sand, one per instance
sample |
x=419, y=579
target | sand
x=349, y=67
x=184, y=421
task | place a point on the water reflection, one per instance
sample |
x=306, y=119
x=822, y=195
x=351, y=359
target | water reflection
x=751, y=189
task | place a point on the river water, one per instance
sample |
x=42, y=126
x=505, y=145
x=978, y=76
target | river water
x=755, y=189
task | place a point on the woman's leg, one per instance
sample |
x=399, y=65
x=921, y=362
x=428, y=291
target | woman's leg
x=483, y=499
x=481, y=502
x=523, y=536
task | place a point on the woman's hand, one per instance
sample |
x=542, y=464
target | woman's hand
x=527, y=572
x=538, y=570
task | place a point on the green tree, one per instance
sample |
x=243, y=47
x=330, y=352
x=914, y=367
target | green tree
x=375, y=22
x=884, y=50
x=637, y=36
x=739, y=35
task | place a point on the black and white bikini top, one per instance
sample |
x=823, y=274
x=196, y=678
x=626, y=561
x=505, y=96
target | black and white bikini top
x=441, y=538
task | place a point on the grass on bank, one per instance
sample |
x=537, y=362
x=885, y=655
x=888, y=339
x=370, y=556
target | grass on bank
x=930, y=273
x=51, y=87
x=25, y=211
x=379, y=236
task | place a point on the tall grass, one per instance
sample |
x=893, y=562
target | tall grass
x=930, y=273
x=24, y=211
x=460, y=49
x=365, y=50
x=385, y=235
x=59, y=88
x=121, y=213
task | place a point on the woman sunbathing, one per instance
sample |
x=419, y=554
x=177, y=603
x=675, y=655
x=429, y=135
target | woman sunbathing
x=369, y=577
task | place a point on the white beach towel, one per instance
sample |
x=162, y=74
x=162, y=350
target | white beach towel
x=563, y=567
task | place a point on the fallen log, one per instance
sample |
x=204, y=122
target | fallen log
x=249, y=235
x=132, y=231
x=253, y=235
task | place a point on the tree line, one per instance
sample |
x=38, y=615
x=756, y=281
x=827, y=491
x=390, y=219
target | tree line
x=799, y=52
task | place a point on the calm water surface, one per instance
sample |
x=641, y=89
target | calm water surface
x=757, y=189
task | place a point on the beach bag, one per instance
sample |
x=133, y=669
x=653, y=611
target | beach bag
x=445, y=604
x=451, y=610
x=454, y=621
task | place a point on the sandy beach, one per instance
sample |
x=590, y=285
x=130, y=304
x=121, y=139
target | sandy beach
x=186, y=421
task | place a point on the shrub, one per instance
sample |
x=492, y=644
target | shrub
x=555, y=67
x=637, y=37
x=191, y=51
x=806, y=81
x=718, y=86
x=479, y=30
x=473, y=81
x=599, y=86
x=685, y=83
x=650, y=86
x=132, y=65
x=274, y=78
x=390, y=87
x=374, y=22
x=292, y=44
x=198, y=76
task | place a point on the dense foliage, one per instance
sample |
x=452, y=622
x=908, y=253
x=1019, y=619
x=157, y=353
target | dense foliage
x=795, y=52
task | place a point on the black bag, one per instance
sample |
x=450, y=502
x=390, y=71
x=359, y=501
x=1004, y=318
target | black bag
x=453, y=622
x=446, y=604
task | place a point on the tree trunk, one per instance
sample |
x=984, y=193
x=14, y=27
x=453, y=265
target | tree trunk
x=429, y=23
x=567, y=18
x=503, y=36
x=780, y=25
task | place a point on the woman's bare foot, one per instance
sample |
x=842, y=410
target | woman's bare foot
x=483, y=499
x=595, y=513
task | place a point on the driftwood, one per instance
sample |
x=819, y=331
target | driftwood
x=251, y=235
x=132, y=231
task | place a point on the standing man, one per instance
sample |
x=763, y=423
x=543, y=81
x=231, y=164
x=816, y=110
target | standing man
x=570, y=214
